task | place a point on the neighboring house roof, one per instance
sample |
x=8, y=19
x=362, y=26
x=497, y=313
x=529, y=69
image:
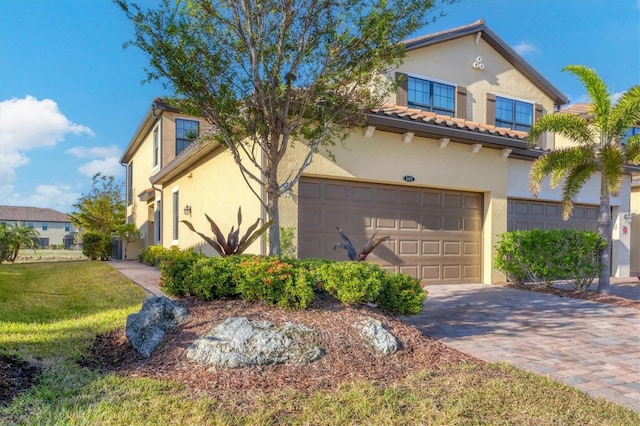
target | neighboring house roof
x=492, y=39
x=581, y=110
x=31, y=214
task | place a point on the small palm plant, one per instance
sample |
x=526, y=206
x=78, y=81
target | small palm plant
x=232, y=244
x=366, y=250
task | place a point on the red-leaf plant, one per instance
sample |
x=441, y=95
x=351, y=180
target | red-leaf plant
x=368, y=247
x=233, y=244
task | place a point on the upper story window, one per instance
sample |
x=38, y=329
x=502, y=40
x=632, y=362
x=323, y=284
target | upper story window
x=67, y=227
x=186, y=132
x=45, y=226
x=30, y=225
x=130, y=183
x=156, y=146
x=512, y=114
x=431, y=96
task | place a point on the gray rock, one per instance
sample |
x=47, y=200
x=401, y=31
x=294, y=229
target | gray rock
x=146, y=329
x=239, y=342
x=377, y=336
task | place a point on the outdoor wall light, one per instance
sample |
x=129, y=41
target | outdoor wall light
x=628, y=217
x=187, y=210
x=286, y=194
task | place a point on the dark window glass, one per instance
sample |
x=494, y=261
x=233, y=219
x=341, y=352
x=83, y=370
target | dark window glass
x=45, y=226
x=431, y=96
x=130, y=184
x=156, y=146
x=512, y=114
x=176, y=212
x=186, y=132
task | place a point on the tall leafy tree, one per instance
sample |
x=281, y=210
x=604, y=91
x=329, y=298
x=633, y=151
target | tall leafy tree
x=266, y=73
x=102, y=210
x=600, y=149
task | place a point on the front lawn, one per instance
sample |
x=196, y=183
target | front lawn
x=51, y=313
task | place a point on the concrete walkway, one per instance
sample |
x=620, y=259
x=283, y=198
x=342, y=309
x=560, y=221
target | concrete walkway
x=591, y=346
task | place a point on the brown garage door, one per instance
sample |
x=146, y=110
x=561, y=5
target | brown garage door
x=533, y=214
x=435, y=234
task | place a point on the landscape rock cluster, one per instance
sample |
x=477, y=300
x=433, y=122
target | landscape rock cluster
x=239, y=342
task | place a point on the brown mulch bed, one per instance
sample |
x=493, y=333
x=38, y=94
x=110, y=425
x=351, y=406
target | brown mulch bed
x=347, y=358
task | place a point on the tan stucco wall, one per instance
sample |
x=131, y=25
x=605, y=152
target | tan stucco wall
x=384, y=158
x=214, y=186
x=451, y=62
x=635, y=229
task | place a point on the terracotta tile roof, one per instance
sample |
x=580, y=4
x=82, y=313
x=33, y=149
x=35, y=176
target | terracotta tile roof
x=32, y=214
x=448, y=121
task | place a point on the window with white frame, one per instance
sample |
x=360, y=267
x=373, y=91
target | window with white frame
x=158, y=219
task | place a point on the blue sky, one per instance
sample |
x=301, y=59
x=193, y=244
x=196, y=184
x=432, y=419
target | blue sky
x=71, y=97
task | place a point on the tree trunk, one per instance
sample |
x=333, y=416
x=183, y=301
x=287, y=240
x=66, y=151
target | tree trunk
x=273, y=213
x=604, y=230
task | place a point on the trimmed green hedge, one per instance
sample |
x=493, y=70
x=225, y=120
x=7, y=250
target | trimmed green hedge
x=286, y=282
x=547, y=255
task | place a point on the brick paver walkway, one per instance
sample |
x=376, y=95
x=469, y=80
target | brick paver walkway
x=591, y=346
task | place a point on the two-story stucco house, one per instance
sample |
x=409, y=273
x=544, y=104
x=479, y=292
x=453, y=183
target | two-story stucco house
x=442, y=168
x=52, y=225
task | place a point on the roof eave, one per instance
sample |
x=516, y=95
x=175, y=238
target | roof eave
x=519, y=148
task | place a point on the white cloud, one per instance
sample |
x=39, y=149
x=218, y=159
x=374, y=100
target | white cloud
x=57, y=197
x=106, y=160
x=109, y=166
x=95, y=152
x=525, y=48
x=27, y=124
x=615, y=97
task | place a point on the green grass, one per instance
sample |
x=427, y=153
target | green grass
x=50, y=314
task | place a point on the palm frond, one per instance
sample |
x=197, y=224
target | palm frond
x=612, y=159
x=574, y=181
x=626, y=112
x=557, y=164
x=632, y=149
x=571, y=126
x=597, y=90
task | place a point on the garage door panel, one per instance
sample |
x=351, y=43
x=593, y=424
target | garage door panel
x=335, y=192
x=429, y=228
x=472, y=225
x=408, y=247
x=470, y=248
x=387, y=196
x=410, y=198
x=451, y=247
x=431, y=199
x=534, y=214
x=452, y=223
x=451, y=272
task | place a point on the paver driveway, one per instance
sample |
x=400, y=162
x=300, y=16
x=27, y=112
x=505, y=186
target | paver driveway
x=594, y=347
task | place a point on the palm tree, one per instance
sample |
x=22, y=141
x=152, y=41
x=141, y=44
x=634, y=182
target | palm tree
x=600, y=149
x=21, y=236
